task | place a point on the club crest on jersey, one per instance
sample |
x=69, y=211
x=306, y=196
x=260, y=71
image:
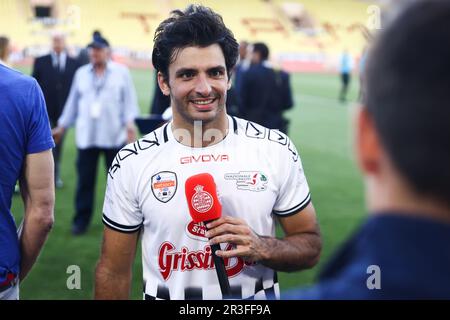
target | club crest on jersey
x=196, y=231
x=201, y=201
x=249, y=180
x=164, y=185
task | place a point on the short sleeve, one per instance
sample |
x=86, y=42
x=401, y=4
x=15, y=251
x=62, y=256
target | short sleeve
x=120, y=208
x=294, y=194
x=39, y=136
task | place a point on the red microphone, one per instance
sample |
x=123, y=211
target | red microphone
x=201, y=194
x=204, y=206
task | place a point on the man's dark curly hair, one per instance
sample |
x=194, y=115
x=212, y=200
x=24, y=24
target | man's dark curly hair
x=195, y=26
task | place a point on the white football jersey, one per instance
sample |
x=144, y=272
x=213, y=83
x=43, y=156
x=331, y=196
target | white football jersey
x=258, y=174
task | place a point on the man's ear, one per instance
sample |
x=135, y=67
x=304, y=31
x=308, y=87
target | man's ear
x=367, y=143
x=230, y=82
x=163, y=84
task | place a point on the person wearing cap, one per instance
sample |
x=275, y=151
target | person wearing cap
x=83, y=55
x=102, y=104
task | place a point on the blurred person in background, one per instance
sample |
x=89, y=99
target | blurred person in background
x=102, y=104
x=160, y=102
x=54, y=72
x=345, y=68
x=265, y=92
x=241, y=67
x=403, y=149
x=5, y=50
x=83, y=55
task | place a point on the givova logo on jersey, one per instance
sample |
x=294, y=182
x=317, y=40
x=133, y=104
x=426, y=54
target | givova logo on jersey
x=164, y=185
x=249, y=180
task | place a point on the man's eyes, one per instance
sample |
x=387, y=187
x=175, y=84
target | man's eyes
x=217, y=73
x=187, y=75
x=191, y=74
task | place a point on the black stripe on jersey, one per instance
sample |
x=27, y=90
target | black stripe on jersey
x=193, y=293
x=149, y=297
x=144, y=144
x=236, y=292
x=166, y=138
x=132, y=149
x=254, y=130
x=120, y=227
x=259, y=285
x=270, y=293
x=235, y=125
x=163, y=292
x=302, y=205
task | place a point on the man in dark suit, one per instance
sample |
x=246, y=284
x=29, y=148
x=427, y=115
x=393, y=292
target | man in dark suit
x=160, y=102
x=265, y=92
x=54, y=73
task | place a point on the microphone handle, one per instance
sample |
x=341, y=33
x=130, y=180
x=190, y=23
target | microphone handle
x=220, y=270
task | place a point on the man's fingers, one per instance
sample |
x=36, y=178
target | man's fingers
x=238, y=252
x=227, y=228
x=225, y=219
x=230, y=238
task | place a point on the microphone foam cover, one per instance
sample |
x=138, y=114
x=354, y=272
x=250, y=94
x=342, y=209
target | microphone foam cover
x=201, y=195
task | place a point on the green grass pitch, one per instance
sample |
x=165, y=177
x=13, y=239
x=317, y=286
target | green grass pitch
x=321, y=128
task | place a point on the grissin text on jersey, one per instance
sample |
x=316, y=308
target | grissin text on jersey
x=170, y=260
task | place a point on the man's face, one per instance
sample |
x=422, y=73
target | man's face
x=197, y=84
x=58, y=44
x=98, y=56
x=255, y=57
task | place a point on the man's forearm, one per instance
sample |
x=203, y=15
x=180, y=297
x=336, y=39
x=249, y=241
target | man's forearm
x=36, y=228
x=293, y=253
x=110, y=285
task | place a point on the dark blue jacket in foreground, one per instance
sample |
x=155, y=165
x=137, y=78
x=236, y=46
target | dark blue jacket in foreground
x=413, y=255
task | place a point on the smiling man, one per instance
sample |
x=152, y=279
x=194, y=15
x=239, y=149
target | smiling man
x=258, y=173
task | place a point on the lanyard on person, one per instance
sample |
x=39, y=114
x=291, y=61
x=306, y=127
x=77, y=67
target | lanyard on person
x=98, y=84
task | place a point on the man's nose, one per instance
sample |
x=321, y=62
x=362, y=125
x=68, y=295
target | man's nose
x=202, y=86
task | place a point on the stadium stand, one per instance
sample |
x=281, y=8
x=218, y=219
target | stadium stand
x=302, y=34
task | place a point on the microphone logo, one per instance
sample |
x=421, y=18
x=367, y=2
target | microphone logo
x=201, y=201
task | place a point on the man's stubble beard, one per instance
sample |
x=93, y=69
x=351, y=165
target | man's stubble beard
x=182, y=107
